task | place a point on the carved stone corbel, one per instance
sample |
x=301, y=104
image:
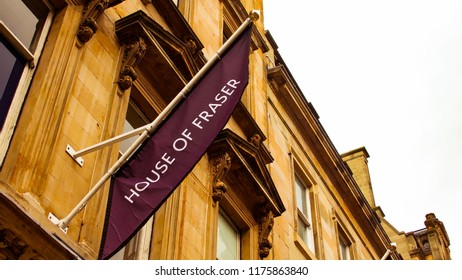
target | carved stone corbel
x=133, y=53
x=265, y=226
x=191, y=44
x=92, y=11
x=255, y=140
x=221, y=166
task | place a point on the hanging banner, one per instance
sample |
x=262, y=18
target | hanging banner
x=148, y=178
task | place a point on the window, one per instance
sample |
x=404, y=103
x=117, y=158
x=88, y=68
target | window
x=228, y=239
x=344, y=246
x=23, y=28
x=12, y=67
x=138, y=247
x=304, y=222
x=134, y=119
x=344, y=249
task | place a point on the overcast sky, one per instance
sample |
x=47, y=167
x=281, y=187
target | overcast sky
x=386, y=75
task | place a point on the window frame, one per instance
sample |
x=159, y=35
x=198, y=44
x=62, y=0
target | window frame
x=25, y=78
x=298, y=168
x=343, y=236
x=305, y=215
x=344, y=246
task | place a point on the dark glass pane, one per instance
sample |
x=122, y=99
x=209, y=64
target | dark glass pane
x=11, y=69
x=25, y=19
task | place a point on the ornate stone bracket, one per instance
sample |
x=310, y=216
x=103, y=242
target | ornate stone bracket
x=255, y=140
x=191, y=44
x=265, y=226
x=221, y=166
x=92, y=11
x=134, y=52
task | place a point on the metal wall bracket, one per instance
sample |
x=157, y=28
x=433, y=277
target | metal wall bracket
x=71, y=152
x=56, y=221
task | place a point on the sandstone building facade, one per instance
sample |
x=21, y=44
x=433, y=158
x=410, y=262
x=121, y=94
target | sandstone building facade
x=429, y=243
x=271, y=186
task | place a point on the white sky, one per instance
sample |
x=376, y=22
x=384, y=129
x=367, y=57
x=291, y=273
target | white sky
x=386, y=75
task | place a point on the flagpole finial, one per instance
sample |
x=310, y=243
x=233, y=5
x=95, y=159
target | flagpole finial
x=254, y=15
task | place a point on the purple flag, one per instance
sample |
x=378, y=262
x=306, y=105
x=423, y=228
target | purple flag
x=140, y=187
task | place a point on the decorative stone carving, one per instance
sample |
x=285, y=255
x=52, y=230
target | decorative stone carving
x=133, y=54
x=221, y=166
x=431, y=221
x=255, y=140
x=192, y=46
x=265, y=226
x=92, y=11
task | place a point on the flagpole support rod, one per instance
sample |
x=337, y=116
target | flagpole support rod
x=70, y=151
x=64, y=222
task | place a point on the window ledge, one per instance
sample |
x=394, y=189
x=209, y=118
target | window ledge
x=300, y=244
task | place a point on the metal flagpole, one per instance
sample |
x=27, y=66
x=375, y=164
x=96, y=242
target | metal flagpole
x=150, y=128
